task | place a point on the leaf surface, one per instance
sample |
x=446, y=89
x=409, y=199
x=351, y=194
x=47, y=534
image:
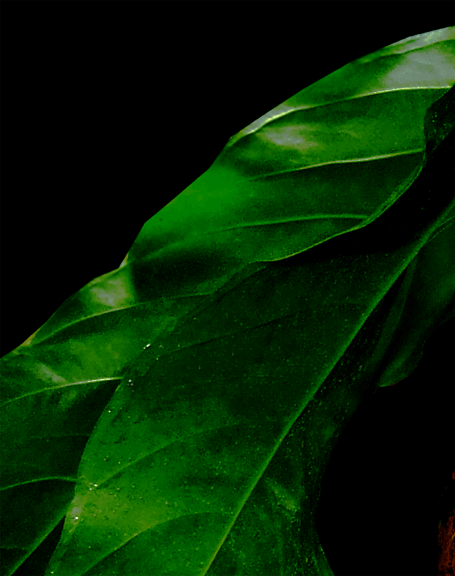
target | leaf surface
x=184, y=406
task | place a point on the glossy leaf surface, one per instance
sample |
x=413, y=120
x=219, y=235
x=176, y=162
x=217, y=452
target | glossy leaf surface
x=184, y=406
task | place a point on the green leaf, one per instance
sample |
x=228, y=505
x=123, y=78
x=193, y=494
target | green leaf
x=180, y=411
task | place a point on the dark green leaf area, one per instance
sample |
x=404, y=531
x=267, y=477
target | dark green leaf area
x=23, y=510
x=43, y=459
x=36, y=563
x=439, y=121
x=279, y=516
x=198, y=419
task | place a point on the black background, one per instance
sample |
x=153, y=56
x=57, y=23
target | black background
x=107, y=117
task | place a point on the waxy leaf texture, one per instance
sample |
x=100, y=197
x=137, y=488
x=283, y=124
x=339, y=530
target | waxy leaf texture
x=180, y=411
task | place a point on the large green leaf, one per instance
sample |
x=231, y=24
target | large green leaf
x=180, y=411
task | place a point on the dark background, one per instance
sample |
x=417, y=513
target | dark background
x=106, y=118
